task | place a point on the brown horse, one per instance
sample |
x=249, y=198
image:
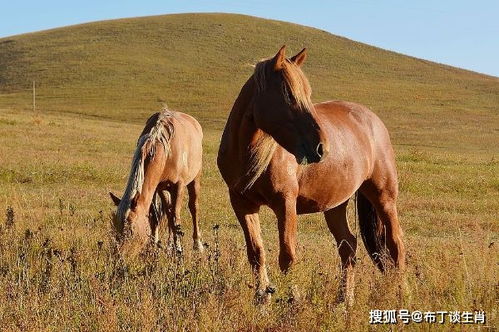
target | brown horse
x=280, y=150
x=167, y=159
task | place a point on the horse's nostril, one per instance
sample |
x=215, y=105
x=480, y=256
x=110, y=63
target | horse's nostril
x=320, y=150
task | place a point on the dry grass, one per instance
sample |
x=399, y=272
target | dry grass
x=59, y=269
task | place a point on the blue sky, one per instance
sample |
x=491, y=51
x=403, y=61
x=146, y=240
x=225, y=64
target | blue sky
x=460, y=33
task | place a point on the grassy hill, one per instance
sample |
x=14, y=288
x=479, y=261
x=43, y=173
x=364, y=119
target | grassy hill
x=98, y=82
x=126, y=68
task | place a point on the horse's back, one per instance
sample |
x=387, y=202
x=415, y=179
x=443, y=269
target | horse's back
x=184, y=161
x=356, y=120
x=191, y=123
x=350, y=114
x=188, y=138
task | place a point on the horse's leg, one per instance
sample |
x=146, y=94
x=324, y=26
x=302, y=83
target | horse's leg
x=347, y=245
x=171, y=228
x=382, y=192
x=285, y=211
x=247, y=214
x=177, y=196
x=156, y=218
x=165, y=211
x=193, y=189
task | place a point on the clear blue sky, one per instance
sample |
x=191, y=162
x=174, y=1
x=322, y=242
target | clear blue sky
x=456, y=32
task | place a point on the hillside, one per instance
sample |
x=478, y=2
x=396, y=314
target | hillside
x=125, y=69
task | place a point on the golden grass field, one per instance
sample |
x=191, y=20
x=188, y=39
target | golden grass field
x=58, y=267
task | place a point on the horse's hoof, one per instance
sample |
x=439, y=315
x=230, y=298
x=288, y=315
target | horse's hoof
x=295, y=295
x=345, y=299
x=263, y=296
x=198, y=246
x=270, y=290
x=175, y=249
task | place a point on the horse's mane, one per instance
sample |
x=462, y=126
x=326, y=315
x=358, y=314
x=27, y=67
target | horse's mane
x=295, y=87
x=295, y=83
x=159, y=129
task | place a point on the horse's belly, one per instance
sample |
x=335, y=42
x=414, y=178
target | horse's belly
x=326, y=189
x=306, y=205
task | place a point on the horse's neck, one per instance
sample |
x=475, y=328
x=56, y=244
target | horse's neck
x=239, y=135
x=240, y=131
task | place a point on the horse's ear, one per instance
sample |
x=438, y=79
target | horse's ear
x=279, y=58
x=299, y=58
x=115, y=199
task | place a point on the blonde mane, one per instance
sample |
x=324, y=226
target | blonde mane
x=260, y=155
x=295, y=86
x=159, y=129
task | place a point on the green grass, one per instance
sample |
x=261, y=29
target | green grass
x=124, y=69
x=97, y=85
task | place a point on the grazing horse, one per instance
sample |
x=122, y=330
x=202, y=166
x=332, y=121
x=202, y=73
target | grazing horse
x=167, y=159
x=280, y=150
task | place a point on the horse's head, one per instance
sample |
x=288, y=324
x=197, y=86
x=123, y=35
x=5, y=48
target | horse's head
x=132, y=225
x=282, y=107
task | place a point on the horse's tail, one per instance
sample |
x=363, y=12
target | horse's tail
x=371, y=231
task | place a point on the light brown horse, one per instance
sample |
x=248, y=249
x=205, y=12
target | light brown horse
x=280, y=150
x=168, y=158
